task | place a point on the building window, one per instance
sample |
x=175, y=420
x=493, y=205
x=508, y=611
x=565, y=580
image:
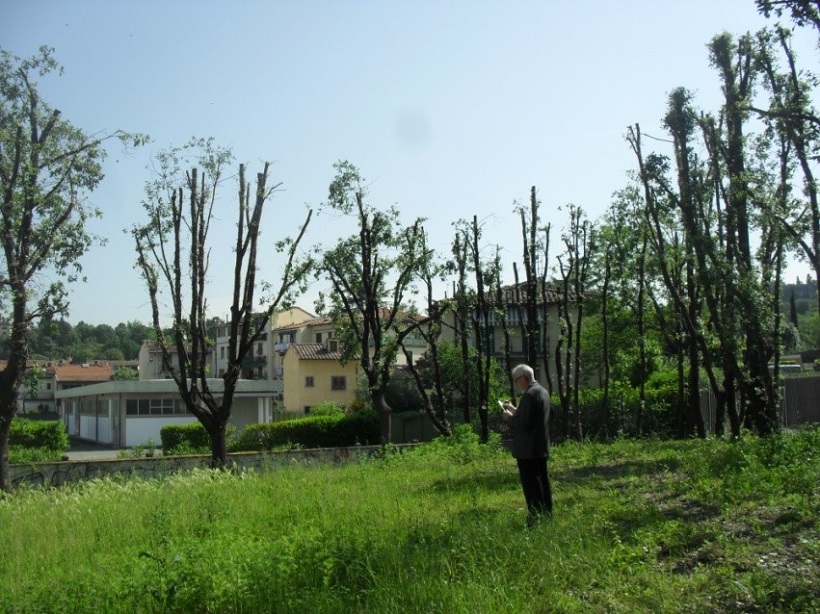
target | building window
x=318, y=337
x=155, y=407
x=259, y=349
x=307, y=409
x=222, y=352
x=338, y=382
x=308, y=381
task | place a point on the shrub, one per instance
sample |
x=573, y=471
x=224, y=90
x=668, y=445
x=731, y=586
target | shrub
x=327, y=408
x=183, y=438
x=312, y=432
x=50, y=435
x=660, y=418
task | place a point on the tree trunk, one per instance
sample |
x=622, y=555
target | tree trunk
x=219, y=445
x=10, y=379
x=383, y=409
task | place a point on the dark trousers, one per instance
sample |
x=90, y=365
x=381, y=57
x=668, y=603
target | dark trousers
x=536, y=485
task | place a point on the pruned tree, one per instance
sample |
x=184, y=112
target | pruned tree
x=173, y=256
x=573, y=267
x=733, y=60
x=792, y=115
x=482, y=320
x=48, y=167
x=464, y=297
x=429, y=377
x=372, y=274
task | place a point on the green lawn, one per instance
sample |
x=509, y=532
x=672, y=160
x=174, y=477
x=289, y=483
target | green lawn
x=650, y=526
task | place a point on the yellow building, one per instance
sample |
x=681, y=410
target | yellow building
x=313, y=373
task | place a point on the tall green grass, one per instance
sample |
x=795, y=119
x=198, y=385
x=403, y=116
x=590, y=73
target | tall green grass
x=650, y=526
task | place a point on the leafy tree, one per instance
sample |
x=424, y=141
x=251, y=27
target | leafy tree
x=792, y=115
x=174, y=230
x=733, y=60
x=47, y=169
x=125, y=373
x=372, y=274
x=802, y=12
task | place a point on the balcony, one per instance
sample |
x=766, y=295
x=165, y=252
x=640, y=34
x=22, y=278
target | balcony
x=281, y=347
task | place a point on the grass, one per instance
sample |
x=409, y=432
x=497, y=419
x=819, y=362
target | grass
x=639, y=526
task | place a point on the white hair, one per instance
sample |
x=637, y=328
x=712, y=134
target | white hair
x=523, y=371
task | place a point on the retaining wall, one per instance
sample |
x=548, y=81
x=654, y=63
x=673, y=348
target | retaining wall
x=60, y=473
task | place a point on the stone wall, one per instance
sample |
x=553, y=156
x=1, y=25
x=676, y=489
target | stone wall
x=61, y=473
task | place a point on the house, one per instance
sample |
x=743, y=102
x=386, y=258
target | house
x=314, y=330
x=151, y=365
x=36, y=392
x=314, y=373
x=259, y=363
x=515, y=318
x=46, y=377
x=68, y=375
x=127, y=413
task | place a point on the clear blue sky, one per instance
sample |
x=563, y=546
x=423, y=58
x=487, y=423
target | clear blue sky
x=449, y=108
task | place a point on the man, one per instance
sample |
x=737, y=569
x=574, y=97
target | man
x=529, y=426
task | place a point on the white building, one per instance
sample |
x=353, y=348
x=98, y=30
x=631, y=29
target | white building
x=128, y=413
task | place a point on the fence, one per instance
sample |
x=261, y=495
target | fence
x=799, y=402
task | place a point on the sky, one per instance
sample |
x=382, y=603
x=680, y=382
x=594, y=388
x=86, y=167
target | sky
x=449, y=109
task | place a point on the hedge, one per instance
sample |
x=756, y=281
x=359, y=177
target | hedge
x=39, y=434
x=312, y=432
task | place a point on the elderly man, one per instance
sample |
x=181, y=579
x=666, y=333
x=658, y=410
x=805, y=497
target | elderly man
x=529, y=426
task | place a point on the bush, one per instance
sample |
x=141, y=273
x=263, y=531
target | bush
x=661, y=415
x=312, y=432
x=327, y=408
x=37, y=441
x=187, y=438
x=50, y=435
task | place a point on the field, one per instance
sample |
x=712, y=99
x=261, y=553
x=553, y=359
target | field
x=639, y=526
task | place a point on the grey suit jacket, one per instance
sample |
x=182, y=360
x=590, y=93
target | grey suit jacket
x=529, y=425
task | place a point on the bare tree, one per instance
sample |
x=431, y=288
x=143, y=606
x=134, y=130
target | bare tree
x=372, y=273
x=176, y=228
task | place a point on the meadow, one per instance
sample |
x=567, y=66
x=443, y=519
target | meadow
x=639, y=526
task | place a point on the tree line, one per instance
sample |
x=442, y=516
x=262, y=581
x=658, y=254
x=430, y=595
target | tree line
x=58, y=339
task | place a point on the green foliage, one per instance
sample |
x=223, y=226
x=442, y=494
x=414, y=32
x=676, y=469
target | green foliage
x=57, y=339
x=312, y=432
x=34, y=441
x=639, y=526
x=125, y=373
x=453, y=373
x=327, y=408
x=402, y=395
x=187, y=438
x=24, y=456
x=50, y=435
x=661, y=414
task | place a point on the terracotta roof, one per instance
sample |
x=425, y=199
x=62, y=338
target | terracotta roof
x=314, y=351
x=298, y=325
x=83, y=373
